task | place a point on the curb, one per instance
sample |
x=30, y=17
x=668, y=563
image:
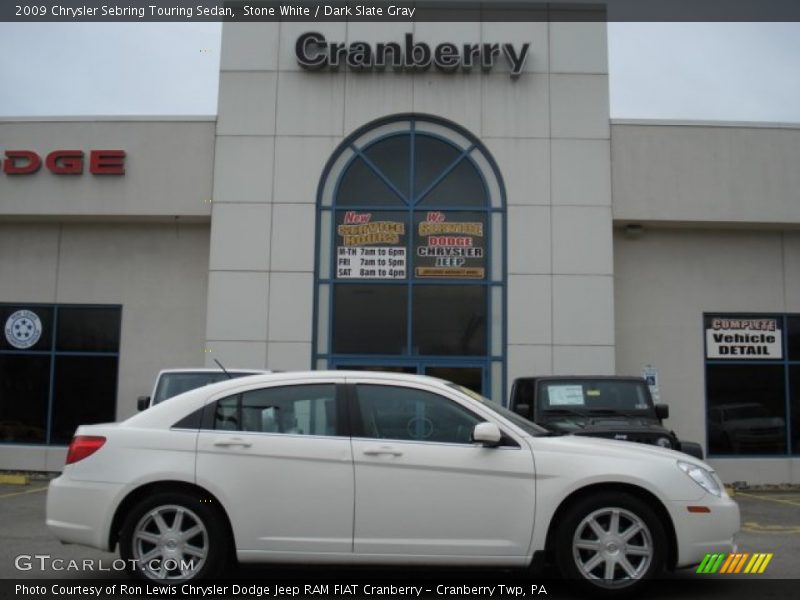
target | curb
x=9, y=479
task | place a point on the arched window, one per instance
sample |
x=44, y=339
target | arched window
x=411, y=260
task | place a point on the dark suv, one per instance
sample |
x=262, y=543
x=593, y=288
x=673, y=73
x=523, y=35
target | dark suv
x=618, y=408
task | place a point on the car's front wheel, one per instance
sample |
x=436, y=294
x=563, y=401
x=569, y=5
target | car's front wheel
x=610, y=541
x=174, y=536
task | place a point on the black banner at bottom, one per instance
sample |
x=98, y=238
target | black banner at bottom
x=383, y=585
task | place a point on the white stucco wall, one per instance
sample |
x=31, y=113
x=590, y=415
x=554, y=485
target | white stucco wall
x=548, y=131
x=158, y=273
x=719, y=207
x=140, y=240
x=706, y=173
x=665, y=280
x=168, y=168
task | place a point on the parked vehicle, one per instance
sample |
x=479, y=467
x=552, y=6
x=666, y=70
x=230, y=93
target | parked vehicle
x=171, y=382
x=619, y=408
x=264, y=469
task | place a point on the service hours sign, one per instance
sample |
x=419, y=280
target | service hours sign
x=371, y=245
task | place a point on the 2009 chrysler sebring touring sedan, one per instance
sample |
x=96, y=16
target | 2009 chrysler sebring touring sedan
x=378, y=468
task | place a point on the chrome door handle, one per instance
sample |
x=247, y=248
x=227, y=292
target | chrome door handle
x=378, y=450
x=233, y=442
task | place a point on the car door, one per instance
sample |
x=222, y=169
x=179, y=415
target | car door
x=280, y=460
x=424, y=489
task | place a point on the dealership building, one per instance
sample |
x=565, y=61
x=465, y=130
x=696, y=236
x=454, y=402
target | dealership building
x=441, y=198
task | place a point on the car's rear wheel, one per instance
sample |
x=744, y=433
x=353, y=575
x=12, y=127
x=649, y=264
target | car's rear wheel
x=174, y=536
x=610, y=542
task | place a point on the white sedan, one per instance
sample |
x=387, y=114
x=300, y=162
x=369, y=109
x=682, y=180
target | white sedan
x=379, y=468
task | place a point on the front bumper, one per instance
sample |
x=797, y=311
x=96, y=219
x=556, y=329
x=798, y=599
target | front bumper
x=80, y=512
x=701, y=533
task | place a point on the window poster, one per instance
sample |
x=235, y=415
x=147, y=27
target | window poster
x=450, y=245
x=371, y=245
x=743, y=338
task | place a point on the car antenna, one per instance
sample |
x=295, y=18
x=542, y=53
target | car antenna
x=224, y=370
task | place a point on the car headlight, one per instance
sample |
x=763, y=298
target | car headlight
x=701, y=477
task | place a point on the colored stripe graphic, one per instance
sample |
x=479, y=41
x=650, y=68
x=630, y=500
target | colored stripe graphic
x=741, y=562
x=735, y=563
x=728, y=565
x=701, y=568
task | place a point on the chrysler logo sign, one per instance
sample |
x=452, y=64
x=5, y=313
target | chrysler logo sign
x=314, y=53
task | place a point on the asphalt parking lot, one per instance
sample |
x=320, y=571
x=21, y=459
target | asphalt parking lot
x=770, y=524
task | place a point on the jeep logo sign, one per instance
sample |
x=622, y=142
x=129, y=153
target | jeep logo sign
x=314, y=53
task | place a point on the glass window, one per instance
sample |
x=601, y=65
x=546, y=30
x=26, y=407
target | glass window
x=432, y=157
x=794, y=337
x=24, y=389
x=449, y=320
x=227, y=413
x=391, y=156
x=746, y=409
x=84, y=391
x=400, y=413
x=794, y=399
x=407, y=204
x=361, y=186
x=296, y=410
x=370, y=319
x=88, y=329
x=463, y=186
x=53, y=381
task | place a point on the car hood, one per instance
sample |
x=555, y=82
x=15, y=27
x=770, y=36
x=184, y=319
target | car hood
x=612, y=449
x=577, y=461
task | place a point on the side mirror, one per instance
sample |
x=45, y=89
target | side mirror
x=662, y=411
x=143, y=402
x=523, y=410
x=487, y=434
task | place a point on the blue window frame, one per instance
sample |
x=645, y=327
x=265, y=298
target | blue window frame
x=58, y=369
x=410, y=265
x=752, y=380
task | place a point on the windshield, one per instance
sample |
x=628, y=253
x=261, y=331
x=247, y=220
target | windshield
x=521, y=422
x=595, y=396
x=172, y=384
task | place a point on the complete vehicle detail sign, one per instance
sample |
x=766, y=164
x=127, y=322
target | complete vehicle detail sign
x=743, y=338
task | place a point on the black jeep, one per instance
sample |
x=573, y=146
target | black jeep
x=613, y=407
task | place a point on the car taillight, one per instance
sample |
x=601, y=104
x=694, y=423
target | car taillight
x=83, y=446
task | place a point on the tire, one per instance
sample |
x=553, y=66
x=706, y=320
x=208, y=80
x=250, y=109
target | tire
x=610, y=542
x=174, y=536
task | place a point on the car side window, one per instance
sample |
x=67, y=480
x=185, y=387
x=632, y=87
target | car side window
x=400, y=413
x=295, y=409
